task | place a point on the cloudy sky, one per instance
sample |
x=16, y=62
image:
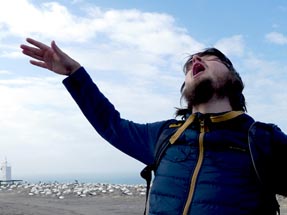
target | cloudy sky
x=134, y=50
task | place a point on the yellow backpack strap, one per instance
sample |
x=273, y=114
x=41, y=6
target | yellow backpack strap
x=181, y=129
x=226, y=116
x=190, y=119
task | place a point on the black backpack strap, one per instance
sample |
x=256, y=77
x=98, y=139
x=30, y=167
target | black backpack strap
x=161, y=145
x=169, y=135
x=146, y=174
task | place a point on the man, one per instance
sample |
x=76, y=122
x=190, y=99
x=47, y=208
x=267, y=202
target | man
x=218, y=160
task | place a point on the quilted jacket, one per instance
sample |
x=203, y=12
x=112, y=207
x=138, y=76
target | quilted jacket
x=208, y=169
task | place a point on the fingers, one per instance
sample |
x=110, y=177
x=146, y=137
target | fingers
x=36, y=52
x=37, y=43
x=51, y=58
x=39, y=63
x=32, y=52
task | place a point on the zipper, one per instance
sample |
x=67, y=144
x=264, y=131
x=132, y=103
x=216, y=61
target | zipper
x=194, y=177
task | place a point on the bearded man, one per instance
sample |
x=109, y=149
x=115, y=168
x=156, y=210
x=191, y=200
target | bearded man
x=217, y=159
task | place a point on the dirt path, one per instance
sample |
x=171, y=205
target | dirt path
x=16, y=204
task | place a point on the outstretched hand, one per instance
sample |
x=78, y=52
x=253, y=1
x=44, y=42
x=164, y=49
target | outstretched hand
x=52, y=58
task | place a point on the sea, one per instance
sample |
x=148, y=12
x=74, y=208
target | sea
x=132, y=179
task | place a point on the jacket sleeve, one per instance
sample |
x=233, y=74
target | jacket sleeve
x=136, y=140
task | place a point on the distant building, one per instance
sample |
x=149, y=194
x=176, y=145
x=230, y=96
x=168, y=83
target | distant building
x=5, y=171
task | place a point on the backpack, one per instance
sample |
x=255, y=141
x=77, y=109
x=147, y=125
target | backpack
x=259, y=152
x=160, y=148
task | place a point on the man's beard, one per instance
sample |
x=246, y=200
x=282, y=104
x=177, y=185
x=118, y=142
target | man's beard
x=203, y=91
x=199, y=93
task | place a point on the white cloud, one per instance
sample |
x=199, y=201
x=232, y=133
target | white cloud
x=110, y=38
x=265, y=89
x=276, y=38
x=151, y=32
x=135, y=58
x=43, y=130
x=232, y=45
x=4, y=72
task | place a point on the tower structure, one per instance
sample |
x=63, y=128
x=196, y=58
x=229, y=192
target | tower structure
x=5, y=170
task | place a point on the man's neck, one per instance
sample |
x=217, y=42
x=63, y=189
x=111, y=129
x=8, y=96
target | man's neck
x=214, y=105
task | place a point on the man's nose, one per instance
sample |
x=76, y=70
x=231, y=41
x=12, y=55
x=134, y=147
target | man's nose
x=196, y=58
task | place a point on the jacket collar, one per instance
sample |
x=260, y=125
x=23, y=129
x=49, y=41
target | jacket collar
x=214, y=118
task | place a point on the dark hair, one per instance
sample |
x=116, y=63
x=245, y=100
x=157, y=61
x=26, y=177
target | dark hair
x=235, y=87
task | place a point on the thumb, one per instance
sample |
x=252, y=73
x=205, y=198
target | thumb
x=70, y=64
x=56, y=49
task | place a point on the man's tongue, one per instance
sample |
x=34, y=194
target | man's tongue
x=198, y=68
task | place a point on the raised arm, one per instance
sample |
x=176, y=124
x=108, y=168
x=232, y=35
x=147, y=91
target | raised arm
x=51, y=58
x=134, y=139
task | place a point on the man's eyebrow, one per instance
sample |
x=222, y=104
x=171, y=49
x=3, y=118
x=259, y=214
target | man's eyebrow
x=209, y=55
x=214, y=57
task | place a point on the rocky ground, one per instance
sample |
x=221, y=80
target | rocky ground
x=77, y=199
x=71, y=199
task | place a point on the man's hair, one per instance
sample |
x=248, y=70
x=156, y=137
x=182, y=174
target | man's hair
x=234, y=88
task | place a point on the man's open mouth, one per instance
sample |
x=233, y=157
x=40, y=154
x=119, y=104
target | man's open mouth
x=197, y=68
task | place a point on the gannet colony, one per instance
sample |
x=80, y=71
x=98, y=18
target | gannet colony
x=81, y=190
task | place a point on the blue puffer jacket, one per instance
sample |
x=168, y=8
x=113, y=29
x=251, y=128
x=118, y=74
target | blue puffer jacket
x=207, y=170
